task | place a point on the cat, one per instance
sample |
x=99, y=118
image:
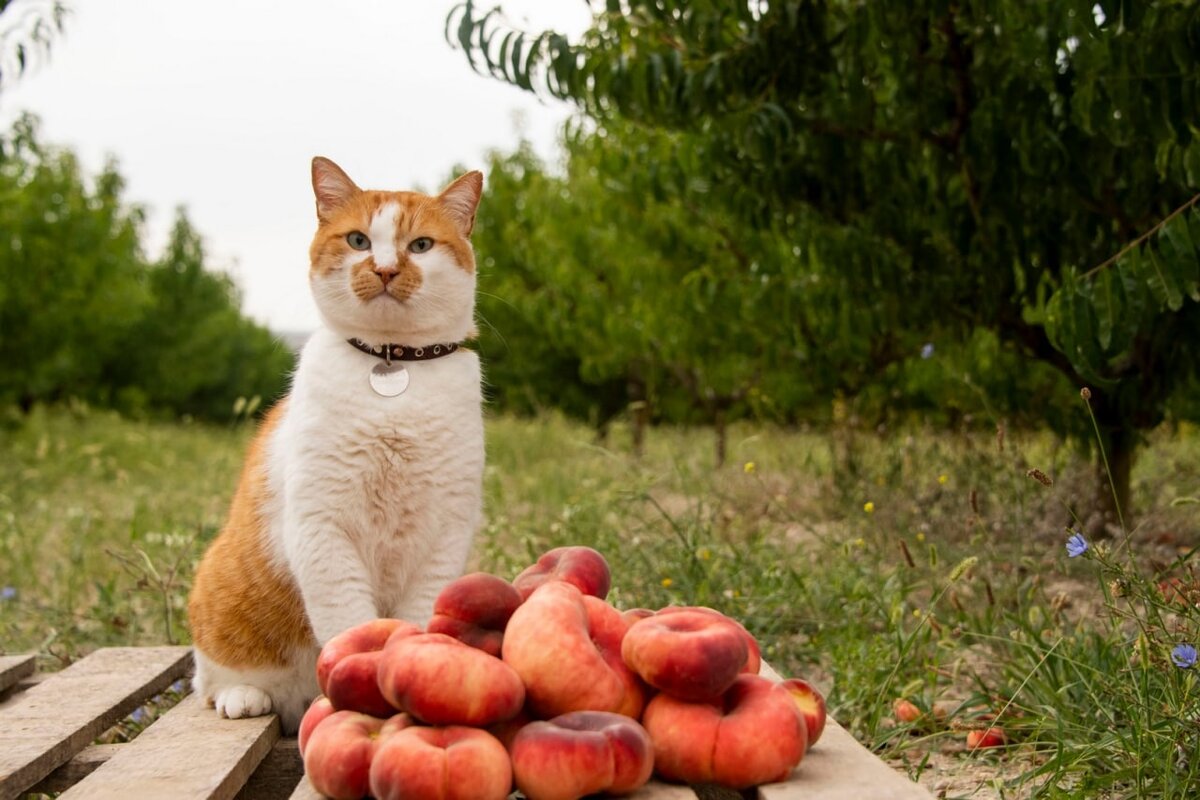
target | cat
x=352, y=505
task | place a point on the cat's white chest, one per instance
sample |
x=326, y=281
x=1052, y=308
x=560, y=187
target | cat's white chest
x=398, y=476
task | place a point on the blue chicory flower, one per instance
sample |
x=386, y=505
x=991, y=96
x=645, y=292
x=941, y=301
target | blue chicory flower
x=927, y=350
x=8, y=593
x=1183, y=656
x=1076, y=545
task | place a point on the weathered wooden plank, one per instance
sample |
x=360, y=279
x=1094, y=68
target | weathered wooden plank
x=305, y=791
x=274, y=779
x=82, y=764
x=52, y=721
x=188, y=753
x=14, y=668
x=839, y=768
x=655, y=790
x=12, y=694
x=277, y=775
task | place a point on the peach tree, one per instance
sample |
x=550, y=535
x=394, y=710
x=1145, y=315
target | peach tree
x=959, y=166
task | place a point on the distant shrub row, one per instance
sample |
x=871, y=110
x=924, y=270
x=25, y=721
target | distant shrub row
x=85, y=314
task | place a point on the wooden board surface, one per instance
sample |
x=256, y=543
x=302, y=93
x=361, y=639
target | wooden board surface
x=189, y=753
x=14, y=668
x=305, y=791
x=654, y=790
x=52, y=721
x=274, y=778
x=839, y=768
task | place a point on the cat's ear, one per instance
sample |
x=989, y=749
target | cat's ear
x=331, y=186
x=461, y=198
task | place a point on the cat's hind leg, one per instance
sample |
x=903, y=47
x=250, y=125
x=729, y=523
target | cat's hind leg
x=254, y=692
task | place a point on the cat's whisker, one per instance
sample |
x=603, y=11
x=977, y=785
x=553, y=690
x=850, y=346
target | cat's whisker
x=485, y=321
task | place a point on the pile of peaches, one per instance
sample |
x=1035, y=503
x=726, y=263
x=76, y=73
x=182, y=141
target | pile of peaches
x=542, y=685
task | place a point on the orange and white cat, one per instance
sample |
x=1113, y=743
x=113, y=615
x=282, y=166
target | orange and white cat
x=356, y=500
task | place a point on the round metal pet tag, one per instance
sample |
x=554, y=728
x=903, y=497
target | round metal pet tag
x=389, y=380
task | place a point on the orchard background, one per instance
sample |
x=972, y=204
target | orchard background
x=839, y=317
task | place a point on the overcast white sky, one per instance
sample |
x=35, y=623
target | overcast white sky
x=220, y=106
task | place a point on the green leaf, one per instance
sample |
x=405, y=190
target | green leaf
x=1053, y=322
x=1084, y=349
x=1184, y=259
x=466, y=27
x=514, y=59
x=497, y=67
x=1133, y=283
x=1161, y=280
x=1108, y=300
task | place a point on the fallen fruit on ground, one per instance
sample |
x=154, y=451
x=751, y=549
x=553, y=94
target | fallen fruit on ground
x=905, y=711
x=581, y=753
x=989, y=737
x=441, y=763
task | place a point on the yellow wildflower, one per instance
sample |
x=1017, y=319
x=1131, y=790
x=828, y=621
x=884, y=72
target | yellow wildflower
x=869, y=507
x=748, y=468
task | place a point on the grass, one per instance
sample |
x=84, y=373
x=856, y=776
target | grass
x=921, y=564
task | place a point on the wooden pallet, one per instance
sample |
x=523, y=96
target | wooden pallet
x=48, y=725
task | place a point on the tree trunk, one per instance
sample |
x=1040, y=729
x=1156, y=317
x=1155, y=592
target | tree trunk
x=640, y=416
x=639, y=409
x=720, y=426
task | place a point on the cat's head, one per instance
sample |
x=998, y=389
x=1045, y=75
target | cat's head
x=394, y=266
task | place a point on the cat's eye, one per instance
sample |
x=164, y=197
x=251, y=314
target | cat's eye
x=358, y=240
x=422, y=244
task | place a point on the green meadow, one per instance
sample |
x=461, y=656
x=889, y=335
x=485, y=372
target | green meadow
x=918, y=564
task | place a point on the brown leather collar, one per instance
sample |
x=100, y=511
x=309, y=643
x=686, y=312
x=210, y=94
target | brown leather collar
x=404, y=352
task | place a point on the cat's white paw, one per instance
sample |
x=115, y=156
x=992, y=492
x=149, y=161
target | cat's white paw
x=243, y=701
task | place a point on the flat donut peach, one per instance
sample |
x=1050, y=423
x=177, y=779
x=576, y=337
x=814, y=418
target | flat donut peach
x=689, y=654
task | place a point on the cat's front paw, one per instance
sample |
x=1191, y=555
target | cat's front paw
x=242, y=701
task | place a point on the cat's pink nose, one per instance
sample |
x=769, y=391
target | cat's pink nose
x=386, y=273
